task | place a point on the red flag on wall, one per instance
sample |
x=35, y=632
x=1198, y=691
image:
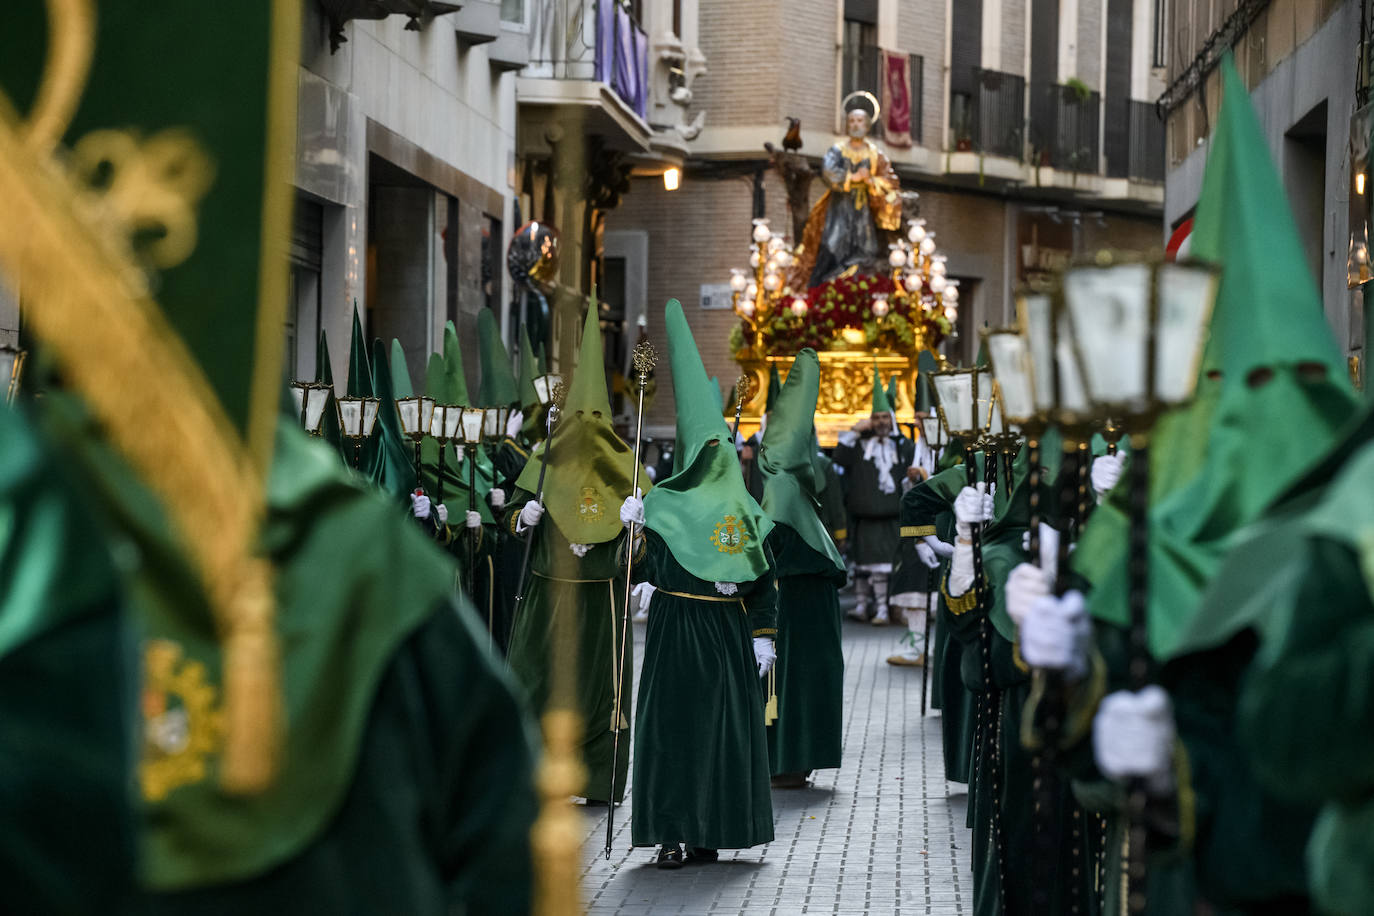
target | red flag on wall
x=896, y=98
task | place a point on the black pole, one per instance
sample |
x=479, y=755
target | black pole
x=925, y=645
x=472, y=507
x=443, y=470
x=529, y=535
x=1138, y=577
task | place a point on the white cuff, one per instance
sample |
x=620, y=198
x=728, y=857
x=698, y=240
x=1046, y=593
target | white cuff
x=848, y=437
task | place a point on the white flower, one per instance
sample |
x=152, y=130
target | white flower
x=580, y=549
x=727, y=588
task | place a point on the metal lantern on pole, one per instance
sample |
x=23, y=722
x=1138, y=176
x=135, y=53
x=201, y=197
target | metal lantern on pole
x=471, y=425
x=443, y=428
x=544, y=386
x=1138, y=329
x=311, y=400
x=11, y=370
x=416, y=414
x=357, y=417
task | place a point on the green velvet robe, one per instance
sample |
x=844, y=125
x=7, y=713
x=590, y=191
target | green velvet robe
x=809, y=729
x=701, y=755
x=873, y=514
x=927, y=509
x=597, y=598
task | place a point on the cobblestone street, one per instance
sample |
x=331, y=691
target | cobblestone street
x=879, y=835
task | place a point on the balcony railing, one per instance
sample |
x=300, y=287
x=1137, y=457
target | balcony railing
x=990, y=117
x=591, y=40
x=1064, y=127
x=1134, y=140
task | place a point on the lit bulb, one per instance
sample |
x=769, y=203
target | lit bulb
x=928, y=245
x=912, y=282
x=916, y=233
x=880, y=306
x=951, y=294
x=784, y=258
x=761, y=231
x=755, y=259
x=775, y=243
x=951, y=313
x=746, y=308
x=738, y=281
x=751, y=290
x=1362, y=254
x=799, y=307
x=938, y=283
x=896, y=257
x=937, y=266
x=772, y=282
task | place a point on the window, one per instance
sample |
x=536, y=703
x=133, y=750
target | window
x=513, y=11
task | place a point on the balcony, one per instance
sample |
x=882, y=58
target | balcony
x=988, y=115
x=862, y=72
x=1064, y=125
x=592, y=56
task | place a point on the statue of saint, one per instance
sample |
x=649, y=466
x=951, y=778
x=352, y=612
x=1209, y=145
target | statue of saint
x=847, y=226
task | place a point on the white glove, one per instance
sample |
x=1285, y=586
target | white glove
x=973, y=506
x=764, y=654
x=530, y=515
x=1026, y=584
x=1133, y=735
x=941, y=549
x=653, y=475
x=419, y=504
x=644, y=593
x=632, y=510
x=926, y=555
x=1106, y=472
x=441, y=513
x=1055, y=633
x=474, y=519
x=513, y=425
x=497, y=498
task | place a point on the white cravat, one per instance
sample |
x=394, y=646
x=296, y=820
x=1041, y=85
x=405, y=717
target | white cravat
x=882, y=451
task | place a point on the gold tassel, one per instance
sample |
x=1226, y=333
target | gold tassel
x=770, y=711
x=252, y=687
x=556, y=837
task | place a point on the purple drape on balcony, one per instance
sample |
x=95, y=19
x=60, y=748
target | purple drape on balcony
x=622, y=55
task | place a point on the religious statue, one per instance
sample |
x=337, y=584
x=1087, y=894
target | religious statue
x=846, y=228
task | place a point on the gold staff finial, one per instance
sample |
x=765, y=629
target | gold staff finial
x=644, y=359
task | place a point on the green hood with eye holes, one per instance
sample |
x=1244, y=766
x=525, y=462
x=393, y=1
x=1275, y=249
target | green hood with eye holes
x=591, y=469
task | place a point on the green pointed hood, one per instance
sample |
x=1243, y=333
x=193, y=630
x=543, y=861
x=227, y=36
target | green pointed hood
x=880, y=402
x=590, y=469
x=774, y=387
x=787, y=457
x=892, y=393
x=498, y=378
x=390, y=457
x=1218, y=463
x=359, y=369
x=703, y=512
x=400, y=372
x=324, y=375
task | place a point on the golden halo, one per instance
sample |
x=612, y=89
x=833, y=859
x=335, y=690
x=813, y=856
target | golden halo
x=872, y=100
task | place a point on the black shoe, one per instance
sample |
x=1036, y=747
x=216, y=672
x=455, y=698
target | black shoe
x=669, y=856
x=596, y=803
x=698, y=855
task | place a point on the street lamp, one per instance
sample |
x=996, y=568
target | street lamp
x=1138, y=329
x=11, y=370
x=357, y=417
